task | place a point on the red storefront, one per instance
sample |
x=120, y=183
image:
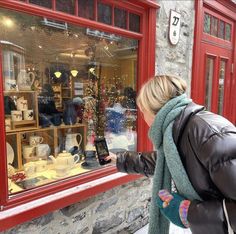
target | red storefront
x=57, y=60
x=213, y=82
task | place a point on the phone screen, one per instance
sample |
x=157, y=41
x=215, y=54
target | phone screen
x=102, y=150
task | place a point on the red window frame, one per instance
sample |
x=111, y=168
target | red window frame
x=146, y=55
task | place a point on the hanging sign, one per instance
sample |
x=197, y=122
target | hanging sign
x=174, y=27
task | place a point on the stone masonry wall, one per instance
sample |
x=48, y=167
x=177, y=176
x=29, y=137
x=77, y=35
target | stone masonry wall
x=121, y=210
x=175, y=59
x=124, y=209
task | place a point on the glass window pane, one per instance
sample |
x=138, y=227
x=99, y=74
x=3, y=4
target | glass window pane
x=120, y=18
x=104, y=13
x=63, y=89
x=221, y=86
x=228, y=32
x=207, y=23
x=222, y=30
x=208, y=82
x=134, y=22
x=214, y=26
x=86, y=9
x=45, y=3
x=66, y=6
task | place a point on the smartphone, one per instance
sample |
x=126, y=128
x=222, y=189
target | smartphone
x=102, y=150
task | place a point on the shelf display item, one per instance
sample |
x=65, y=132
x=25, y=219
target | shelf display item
x=9, y=105
x=73, y=140
x=69, y=114
x=22, y=104
x=10, y=154
x=13, y=63
x=65, y=159
x=8, y=124
x=91, y=161
x=25, y=80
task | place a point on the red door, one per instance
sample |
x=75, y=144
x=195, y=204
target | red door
x=215, y=70
x=213, y=83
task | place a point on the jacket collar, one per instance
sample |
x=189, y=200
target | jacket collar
x=181, y=121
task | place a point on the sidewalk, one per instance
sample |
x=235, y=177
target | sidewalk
x=173, y=230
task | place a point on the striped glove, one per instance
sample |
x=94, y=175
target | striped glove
x=174, y=207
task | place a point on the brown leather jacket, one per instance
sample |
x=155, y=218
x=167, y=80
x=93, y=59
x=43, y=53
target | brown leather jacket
x=207, y=145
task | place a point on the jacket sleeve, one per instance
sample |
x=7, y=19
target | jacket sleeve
x=136, y=162
x=217, y=154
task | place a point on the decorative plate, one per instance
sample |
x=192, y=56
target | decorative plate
x=10, y=154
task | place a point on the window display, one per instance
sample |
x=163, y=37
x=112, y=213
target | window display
x=64, y=86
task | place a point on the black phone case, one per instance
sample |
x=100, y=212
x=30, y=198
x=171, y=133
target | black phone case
x=102, y=150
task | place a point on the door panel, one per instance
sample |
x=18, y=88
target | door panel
x=215, y=79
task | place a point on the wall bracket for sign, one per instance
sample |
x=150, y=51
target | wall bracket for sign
x=174, y=27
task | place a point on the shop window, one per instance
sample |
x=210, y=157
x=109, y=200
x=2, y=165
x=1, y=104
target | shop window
x=120, y=18
x=104, y=13
x=134, y=22
x=45, y=3
x=66, y=6
x=64, y=87
x=228, y=32
x=86, y=9
x=207, y=23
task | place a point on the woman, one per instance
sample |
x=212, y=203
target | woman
x=196, y=150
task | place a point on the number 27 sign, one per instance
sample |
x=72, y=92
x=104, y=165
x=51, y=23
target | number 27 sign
x=174, y=27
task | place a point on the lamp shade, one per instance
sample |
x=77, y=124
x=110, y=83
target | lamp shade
x=74, y=72
x=57, y=74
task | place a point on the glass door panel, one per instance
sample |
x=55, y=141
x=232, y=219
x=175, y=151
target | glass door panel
x=209, y=81
x=222, y=73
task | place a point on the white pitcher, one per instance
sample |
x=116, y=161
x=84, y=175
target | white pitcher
x=72, y=141
x=25, y=80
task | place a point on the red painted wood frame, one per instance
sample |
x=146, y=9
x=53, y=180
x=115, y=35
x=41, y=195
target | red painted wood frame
x=146, y=68
x=225, y=10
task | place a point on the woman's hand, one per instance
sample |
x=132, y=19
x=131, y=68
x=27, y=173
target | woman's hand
x=111, y=156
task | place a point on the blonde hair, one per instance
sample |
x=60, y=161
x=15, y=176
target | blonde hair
x=157, y=91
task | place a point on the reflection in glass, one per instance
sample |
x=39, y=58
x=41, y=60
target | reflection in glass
x=134, y=22
x=66, y=6
x=86, y=9
x=221, y=87
x=214, y=26
x=120, y=18
x=228, y=32
x=51, y=118
x=222, y=30
x=44, y=3
x=104, y=13
x=208, y=82
x=207, y=23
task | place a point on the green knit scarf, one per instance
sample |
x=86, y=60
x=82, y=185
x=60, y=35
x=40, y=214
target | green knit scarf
x=168, y=164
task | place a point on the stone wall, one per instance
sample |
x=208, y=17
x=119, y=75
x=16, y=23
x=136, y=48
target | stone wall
x=121, y=210
x=175, y=59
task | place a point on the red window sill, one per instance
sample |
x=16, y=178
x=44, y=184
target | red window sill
x=33, y=209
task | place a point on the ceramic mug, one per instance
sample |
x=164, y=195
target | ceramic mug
x=28, y=151
x=35, y=140
x=21, y=104
x=29, y=168
x=40, y=165
x=8, y=124
x=61, y=170
x=42, y=150
x=28, y=114
x=10, y=84
x=16, y=115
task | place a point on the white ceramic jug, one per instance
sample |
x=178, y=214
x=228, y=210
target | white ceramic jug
x=72, y=140
x=25, y=80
